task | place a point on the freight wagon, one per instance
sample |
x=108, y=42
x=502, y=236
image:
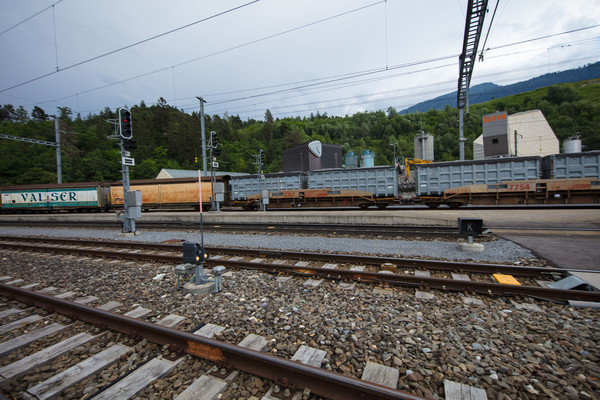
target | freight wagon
x=573, y=165
x=314, y=198
x=362, y=187
x=380, y=183
x=92, y=196
x=104, y=196
x=436, y=178
x=514, y=180
x=244, y=186
x=172, y=193
x=554, y=179
x=525, y=192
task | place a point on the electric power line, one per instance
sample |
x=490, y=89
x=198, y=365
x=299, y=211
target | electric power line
x=217, y=52
x=488, y=32
x=130, y=45
x=339, y=77
x=28, y=18
x=316, y=82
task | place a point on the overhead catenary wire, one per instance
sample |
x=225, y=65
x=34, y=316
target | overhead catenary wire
x=545, y=37
x=55, y=40
x=220, y=51
x=131, y=45
x=379, y=71
x=487, y=35
x=336, y=77
x=311, y=85
x=28, y=18
x=441, y=87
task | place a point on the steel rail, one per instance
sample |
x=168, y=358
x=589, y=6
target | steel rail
x=289, y=373
x=488, y=288
x=339, y=258
x=380, y=230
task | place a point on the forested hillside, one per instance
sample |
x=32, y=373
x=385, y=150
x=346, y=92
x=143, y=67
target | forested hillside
x=489, y=91
x=170, y=138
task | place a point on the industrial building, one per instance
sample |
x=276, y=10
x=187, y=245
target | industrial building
x=312, y=156
x=522, y=134
x=424, y=149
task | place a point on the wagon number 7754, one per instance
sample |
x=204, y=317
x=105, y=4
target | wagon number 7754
x=518, y=186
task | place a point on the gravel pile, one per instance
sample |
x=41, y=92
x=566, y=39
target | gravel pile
x=495, y=251
x=510, y=352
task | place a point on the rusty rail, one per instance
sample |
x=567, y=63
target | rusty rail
x=339, y=258
x=294, y=374
x=488, y=288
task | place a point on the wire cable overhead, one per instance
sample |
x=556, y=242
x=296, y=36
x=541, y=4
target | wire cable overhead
x=130, y=45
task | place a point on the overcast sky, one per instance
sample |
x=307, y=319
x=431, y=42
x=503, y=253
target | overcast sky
x=293, y=57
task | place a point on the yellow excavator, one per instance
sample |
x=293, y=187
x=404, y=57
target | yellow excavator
x=408, y=162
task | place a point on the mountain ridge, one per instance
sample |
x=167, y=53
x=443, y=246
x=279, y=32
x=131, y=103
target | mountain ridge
x=490, y=91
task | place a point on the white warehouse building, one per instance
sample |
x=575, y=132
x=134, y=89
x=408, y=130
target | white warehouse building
x=522, y=134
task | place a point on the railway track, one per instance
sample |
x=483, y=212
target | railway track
x=404, y=231
x=291, y=305
x=332, y=229
x=93, y=325
x=441, y=275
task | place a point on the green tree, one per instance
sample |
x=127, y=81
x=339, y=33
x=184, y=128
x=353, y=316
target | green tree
x=38, y=114
x=560, y=94
x=268, y=126
x=37, y=175
x=65, y=113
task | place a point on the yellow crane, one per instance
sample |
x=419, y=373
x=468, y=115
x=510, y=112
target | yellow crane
x=412, y=161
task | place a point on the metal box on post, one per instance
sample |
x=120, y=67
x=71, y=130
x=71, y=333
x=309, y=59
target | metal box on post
x=220, y=192
x=134, y=203
x=470, y=226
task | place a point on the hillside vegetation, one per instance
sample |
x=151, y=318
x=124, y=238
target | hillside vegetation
x=489, y=91
x=170, y=138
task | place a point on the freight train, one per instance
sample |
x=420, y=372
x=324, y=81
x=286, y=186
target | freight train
x=107, y=196
x=556, y=179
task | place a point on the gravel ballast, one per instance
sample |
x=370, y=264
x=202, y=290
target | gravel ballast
x=492, y=343
x=496, y=251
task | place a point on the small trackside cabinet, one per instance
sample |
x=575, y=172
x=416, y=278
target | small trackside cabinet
x=470, y=226
x=134, y=204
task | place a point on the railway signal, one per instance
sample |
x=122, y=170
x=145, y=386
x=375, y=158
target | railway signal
x=193, y=253
x=132, y=200
x=129, y=144
x=125, y=127
x=214, y=142
x=261, y=158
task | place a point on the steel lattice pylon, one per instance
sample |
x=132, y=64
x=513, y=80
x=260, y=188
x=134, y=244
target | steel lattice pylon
x=473, y=27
